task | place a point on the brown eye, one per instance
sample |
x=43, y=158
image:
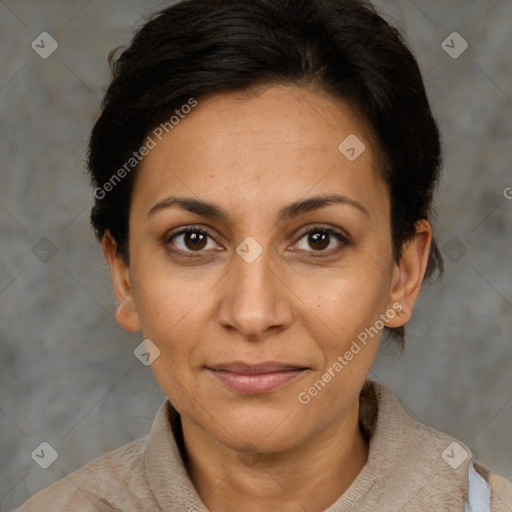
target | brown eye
x=194, y=241
x=191, y=240
x=318, y=241
x=322, y=240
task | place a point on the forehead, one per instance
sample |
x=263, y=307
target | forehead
x=279, y=141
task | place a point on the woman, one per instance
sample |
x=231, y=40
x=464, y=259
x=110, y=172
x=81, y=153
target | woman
x=263, y=178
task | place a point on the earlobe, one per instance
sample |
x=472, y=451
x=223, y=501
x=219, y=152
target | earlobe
x=408, y=273
x=126, y=313
x=127, y=316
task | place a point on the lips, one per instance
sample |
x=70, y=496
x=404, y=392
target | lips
x=249, y=369
x=255, y=378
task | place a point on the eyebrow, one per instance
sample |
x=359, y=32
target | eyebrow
x=292, y=210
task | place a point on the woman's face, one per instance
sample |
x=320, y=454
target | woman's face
x=247, y=310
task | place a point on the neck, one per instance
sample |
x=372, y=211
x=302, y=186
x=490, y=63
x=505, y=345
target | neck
x=311, y=476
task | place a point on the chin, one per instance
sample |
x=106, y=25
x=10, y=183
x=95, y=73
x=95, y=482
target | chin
x=259, y=428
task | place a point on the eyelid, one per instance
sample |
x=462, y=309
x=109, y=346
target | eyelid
x=189, y=228
x=341, y=236
x=327, y=229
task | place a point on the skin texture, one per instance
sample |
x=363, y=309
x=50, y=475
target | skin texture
x=251, y=154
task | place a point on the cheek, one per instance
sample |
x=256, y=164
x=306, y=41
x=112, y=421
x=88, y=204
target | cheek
x=346, y=300
x=174, y=309
x=346, y=327
x=169, y=297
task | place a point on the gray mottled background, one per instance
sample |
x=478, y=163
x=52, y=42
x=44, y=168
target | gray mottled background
x=68, y=375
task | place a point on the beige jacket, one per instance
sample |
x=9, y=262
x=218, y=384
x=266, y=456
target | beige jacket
x=411, y=468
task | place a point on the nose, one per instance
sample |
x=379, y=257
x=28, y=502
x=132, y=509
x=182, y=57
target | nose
x=255, y=298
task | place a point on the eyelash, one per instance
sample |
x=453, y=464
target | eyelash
x=344, y=240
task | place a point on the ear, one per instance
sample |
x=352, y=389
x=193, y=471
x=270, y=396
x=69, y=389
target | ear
x=408, y=274
x=126, y=314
